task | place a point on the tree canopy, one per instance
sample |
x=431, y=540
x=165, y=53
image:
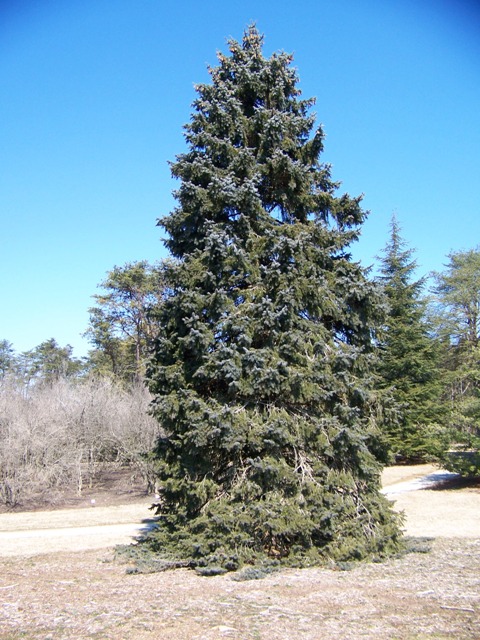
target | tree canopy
x=120, y=326
x=457, y=291
x=262, y=373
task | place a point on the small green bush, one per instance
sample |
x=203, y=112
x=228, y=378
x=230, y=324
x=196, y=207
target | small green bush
x=466, y=463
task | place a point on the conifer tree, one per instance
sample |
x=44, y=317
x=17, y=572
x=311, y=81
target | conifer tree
x=457, y=291
x=120, y=327
x=409, y=357
x=261, y=374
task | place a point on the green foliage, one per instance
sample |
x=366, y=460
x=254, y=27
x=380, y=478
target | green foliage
x=409, y=358
x=458, y=292
x=458, y=312
x=262, y=374
x=7, y=358
x=466, y=463
x=48, y=362
x=120, y=326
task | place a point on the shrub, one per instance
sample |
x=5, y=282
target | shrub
x=57, y=436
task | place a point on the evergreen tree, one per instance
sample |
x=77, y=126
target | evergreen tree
x=49, y=362
x=120, y=326
x=7, y=358
x=458, y=306
x=409, y=357
x=262, y=373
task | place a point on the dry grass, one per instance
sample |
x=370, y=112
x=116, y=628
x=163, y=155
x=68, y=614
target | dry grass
x=86, y=595
x=81, y=595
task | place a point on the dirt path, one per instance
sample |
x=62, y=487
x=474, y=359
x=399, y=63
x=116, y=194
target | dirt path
x=28, y=534
x=397, y=480
x=428, y=512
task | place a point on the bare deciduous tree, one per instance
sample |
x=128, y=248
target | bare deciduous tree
x=58, y=436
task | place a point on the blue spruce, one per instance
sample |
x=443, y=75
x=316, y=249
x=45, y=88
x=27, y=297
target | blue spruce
x=262, y=371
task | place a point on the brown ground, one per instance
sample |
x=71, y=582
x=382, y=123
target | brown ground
x=85, y=594
x=113, y=486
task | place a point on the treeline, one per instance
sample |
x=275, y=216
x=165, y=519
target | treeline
x=63, y=417
x=120, y=330
x=64, y=420
x=428, y=358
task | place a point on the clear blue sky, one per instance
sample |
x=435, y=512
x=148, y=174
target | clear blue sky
x=93, y=96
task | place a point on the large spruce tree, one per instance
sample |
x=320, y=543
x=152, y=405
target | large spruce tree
x=262, y=372
x=409, y=357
